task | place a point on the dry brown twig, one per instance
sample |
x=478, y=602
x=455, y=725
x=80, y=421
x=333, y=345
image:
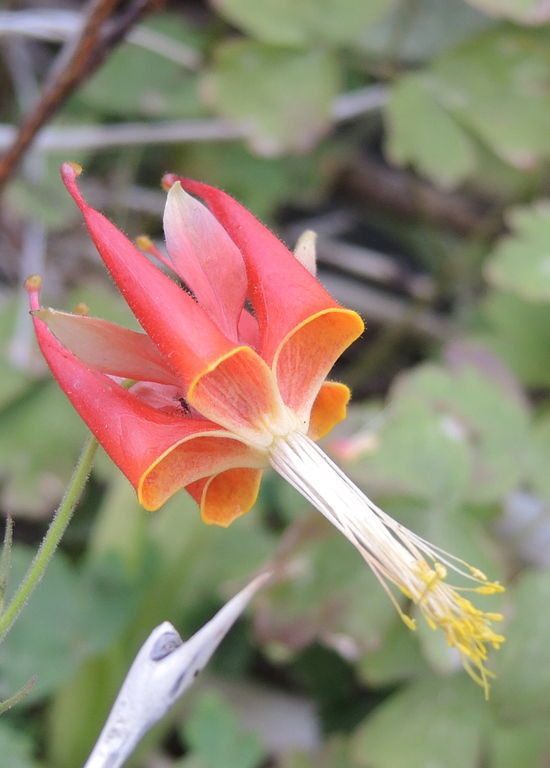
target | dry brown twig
x=102, y=30
x=400, y=193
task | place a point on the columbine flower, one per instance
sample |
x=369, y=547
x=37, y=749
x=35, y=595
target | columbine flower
x=221, y=392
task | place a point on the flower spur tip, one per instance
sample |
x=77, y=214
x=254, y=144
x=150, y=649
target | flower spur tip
x=168, y=180
x=33, y=283
x=71, y=168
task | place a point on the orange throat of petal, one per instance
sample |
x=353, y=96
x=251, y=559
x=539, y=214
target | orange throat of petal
x=397, y=556
x=240, y=393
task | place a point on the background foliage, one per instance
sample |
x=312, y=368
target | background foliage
x=414, y=135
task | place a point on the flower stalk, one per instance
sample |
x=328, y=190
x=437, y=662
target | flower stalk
x=51, y=540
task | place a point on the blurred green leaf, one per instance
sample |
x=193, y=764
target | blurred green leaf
x=46, y=202
x=520, y=691
x=13, y=383
x=511, y=746
x=522, y=11
x=539, y=457
x=419, y=32
x=333, y=594
x=398, y=658
x=423, y=133
x=281, y=95
x=496, y=84
x=448, y=435
x=120, y=528
x=519, y=333
x=40, y=441
x=520, y=263
x=35, y=644
x=16, y=748
x=178, y=562
x=189, y=761
x=498, y=181
x=212, y=731
x=299, y=760
x=435, y=722
x=259, y=183
x=285, y=22
x=477, y=407
x=218, y=560
x=78, y=710
x=135, y=82
x=334, y=753
x=70, y=617
x=107, y=601
x=420, y=450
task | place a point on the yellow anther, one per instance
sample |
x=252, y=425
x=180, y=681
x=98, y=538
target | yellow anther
x=408, y=622
x=490, y=589
x=81, y=308
x=77, y=168
x=144, y=243
x=477, y=574
x=440, y=570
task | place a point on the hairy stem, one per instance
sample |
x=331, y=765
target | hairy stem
x=52, y=538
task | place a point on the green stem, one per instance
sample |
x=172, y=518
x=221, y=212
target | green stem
x=53, y=536
x=5, y=560
x=16, y=698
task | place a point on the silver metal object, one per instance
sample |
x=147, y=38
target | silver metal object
x=163, y=669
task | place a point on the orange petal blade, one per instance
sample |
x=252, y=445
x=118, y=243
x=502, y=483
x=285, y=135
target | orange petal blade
x=225, y=497
x=191, y=461
x=240, y=393
x=328, y=409
x=307, y=354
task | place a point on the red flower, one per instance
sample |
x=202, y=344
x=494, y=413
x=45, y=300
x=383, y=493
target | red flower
x=221, y=393
x=217, y=385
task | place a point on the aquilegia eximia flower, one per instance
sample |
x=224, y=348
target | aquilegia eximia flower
x=222, y=392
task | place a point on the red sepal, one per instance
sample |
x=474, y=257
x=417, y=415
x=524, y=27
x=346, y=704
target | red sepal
x=184, y=333
x=282, y=291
